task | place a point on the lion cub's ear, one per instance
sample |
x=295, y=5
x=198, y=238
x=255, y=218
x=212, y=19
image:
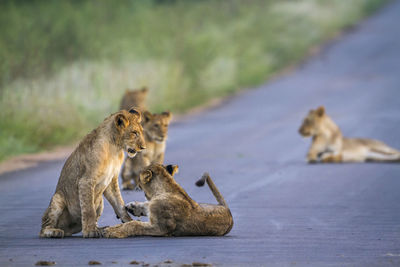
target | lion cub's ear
x=147, y=116
x=145, y=176
x=121, y=121
x=320, y=111
x=172, y=169
x=144, y=89
x=136, y=113
x=167, y=114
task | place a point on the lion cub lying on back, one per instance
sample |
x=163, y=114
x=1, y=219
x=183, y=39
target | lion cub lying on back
x=91, y=171
x=155, y=129
x=171, y=211
x=328, y=144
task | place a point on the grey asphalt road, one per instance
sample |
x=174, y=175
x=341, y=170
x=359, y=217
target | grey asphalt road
x=286, y=212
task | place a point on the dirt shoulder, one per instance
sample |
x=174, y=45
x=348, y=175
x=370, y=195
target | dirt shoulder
x=31, y=160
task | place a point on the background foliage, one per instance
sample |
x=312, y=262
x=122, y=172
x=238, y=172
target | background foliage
x=65, y=64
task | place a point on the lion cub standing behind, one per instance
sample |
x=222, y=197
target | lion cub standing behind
x=91, y=171
x=155, y=128
x=171, y=211
x=134, y=98
x=328, y=144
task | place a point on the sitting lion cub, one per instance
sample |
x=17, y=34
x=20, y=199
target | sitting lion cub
x=171, y=211
x=155, y=128
x=91, y=171
x=134, y=98
x=328, y=144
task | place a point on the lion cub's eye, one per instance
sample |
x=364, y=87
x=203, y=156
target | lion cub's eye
x=157, y=125
x=135, y=133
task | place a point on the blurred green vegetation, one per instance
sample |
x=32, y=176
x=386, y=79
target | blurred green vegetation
x=65, y=64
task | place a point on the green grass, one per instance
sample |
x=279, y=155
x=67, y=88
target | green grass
x=65, y=64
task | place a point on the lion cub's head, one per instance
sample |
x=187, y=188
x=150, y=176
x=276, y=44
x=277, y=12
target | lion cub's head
x=134, y=98
x=156, y=178
x=313, y=122
x=156, y=125
x=129, y=131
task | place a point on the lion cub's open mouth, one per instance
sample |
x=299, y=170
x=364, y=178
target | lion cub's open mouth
x=131, y=152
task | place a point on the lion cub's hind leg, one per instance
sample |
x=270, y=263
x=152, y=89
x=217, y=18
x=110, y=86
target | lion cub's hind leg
x=51, y=217
x=127, y=174
x=379, y=151
x=138, y=208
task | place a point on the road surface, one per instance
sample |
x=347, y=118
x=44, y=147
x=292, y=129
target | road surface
x=286, y=212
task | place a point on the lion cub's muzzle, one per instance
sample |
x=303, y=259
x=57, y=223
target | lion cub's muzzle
x=304, y=132
x=132, y=152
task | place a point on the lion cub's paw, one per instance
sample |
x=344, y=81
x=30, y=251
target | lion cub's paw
x=113, y=232
x=52, y=233
x=136, y=209
x=93, y=233
x=312, y=161
x=104, y=232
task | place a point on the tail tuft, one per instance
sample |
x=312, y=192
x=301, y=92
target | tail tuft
x=202, y=180
x=206, y=178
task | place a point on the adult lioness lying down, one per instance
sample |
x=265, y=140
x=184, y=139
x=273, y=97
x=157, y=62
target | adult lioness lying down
x=171, y=211
x=91, y=171
x=328, y=144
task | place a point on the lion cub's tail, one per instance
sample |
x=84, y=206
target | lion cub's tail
x=213, y=188
x=382, y=152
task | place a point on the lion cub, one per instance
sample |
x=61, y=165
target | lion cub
x=328, y=144
x=155, y=128
x=171, y=211
x=91, y=171
x=134, y=98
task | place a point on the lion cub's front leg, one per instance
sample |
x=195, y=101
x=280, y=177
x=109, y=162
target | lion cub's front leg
x=113, y=195
x=331, y=158
x=317, y=147
x=133, y=228
x=88, y=211
x=138, y=208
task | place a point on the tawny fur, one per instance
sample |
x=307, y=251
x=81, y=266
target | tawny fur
x=155, y=129
x=134, y=98
x=171, y=211
x=91, y=171
x=329, y=145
